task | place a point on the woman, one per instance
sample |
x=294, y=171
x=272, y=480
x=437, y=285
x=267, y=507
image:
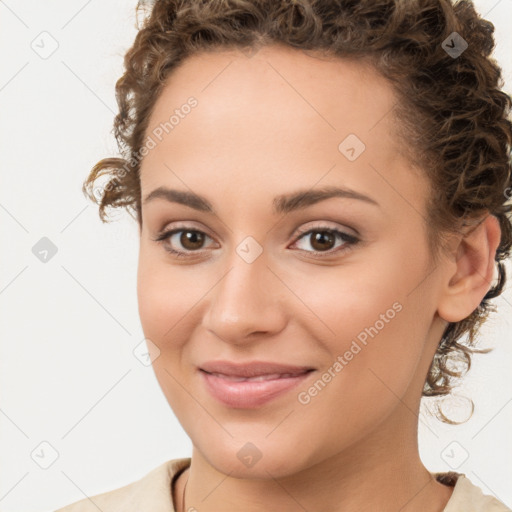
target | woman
x=322, y=190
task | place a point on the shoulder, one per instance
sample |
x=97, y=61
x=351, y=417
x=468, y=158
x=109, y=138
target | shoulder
x=151, y=492
x=468, y=496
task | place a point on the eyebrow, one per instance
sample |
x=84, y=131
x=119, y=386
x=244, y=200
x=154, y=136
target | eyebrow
x=282, y=204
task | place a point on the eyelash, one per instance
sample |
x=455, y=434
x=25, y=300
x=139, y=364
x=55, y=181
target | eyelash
x=350, y=241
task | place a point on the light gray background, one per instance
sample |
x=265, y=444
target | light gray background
x=68, y=375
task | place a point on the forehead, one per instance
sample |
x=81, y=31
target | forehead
x=279, y=82
x=277, y=115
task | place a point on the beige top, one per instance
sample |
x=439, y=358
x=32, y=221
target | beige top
x=153, y=493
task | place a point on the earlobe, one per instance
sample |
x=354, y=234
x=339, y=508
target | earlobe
x=474, y=263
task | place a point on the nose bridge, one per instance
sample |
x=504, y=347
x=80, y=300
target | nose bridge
x=245, y=300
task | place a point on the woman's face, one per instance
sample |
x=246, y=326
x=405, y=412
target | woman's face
x=263, y=274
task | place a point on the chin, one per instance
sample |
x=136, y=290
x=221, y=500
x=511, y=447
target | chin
x=259, y=459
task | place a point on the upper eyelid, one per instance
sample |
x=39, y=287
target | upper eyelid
x=304, y=228
x=187, y=227
x=325, y=225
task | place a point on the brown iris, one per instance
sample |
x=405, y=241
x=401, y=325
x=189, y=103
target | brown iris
x=194, y=238
x=322, y=238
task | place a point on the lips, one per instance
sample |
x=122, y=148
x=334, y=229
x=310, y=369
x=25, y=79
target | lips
x=253, y=369
x=258, y=378
x=250, y=385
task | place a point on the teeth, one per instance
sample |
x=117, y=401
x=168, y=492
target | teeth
x=255, y=379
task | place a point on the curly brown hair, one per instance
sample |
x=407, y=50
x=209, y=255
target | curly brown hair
x=452, y=115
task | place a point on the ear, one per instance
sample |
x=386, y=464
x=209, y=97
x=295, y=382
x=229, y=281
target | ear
x=471, y=270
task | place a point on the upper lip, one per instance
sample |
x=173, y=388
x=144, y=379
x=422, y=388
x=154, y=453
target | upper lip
x=252, y=368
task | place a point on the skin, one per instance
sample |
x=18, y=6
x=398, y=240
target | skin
x=266, y=125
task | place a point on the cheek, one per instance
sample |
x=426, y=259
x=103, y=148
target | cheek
x=371, y=363
x=375, y=317
x=163, y=306
x=165, y=294
x=169, y=303
x=341, y=302
x=372, y=339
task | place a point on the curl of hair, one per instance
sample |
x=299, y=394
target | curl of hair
x=452, y=115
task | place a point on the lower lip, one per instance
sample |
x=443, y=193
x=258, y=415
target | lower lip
x=249, y=394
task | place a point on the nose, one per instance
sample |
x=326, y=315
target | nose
x=246, y=302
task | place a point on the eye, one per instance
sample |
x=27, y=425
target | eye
x=186, y=241
x=192, y=240
x=323, y=239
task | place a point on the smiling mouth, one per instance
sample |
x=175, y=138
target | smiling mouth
x=258, y=378
x=238, y=392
